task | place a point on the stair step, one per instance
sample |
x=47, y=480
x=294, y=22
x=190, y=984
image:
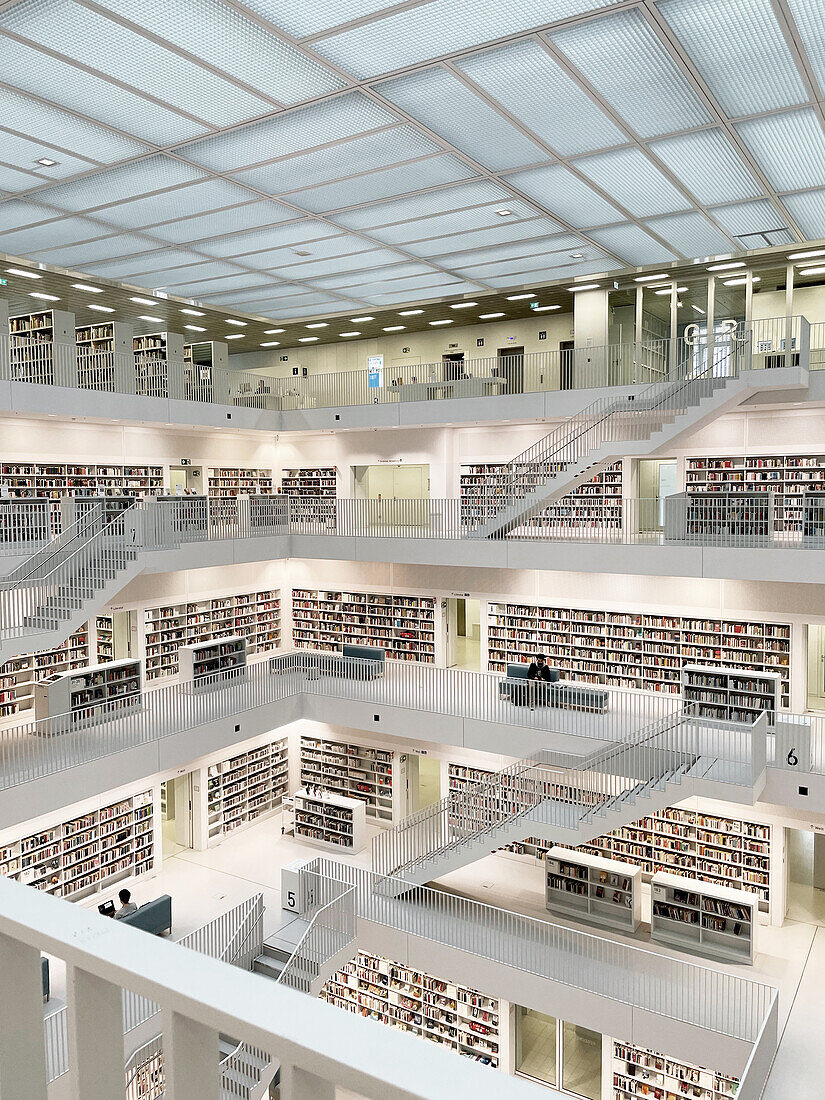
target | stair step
x=269, y=967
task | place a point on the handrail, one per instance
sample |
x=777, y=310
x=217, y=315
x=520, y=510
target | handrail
x=331, y=929
x=135, y=1065
x=84, y=527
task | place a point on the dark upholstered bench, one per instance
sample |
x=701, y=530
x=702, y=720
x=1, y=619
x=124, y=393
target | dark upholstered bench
x=155, y=916
x=522, y=692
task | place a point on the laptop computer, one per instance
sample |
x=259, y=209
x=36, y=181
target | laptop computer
x=107, y=909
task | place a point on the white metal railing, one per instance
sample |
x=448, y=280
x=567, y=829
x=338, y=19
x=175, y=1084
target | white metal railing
x=25, y=525
x=145, y=1079
x=331, y=930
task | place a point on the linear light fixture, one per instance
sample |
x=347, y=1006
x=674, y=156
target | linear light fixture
x=649, y=278
x=810, y=255
x=318, y=324
x=234, y=336
x=521, y=297
x=86, y=287
x=100, y=309
x=727, y=266
x=273, y=331
x=308, y=339
x=232, y=321
x=143, y=301
x=148, y=317
x=23, y=274
x=193, y=312
x=360, y=320
x=410, y=312
x=583, y=286
x=271, y=344
x=698, y=309
x=349, y=333
x=669, y=290
x=741, y=280
x=47, y=162
x=812, y=271
x=544, y=309
x=489, y=316
x=395, y=328
x=504, y=213
x=45, y=297
x=194, y=328
x=447, y=322
x=463, y=305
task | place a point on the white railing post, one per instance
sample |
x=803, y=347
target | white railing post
x=190, y=1059
x=22, y=1046
x=95, y=1031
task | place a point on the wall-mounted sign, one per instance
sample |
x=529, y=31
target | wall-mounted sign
x=405, y=351
x=542, y=335
x=375, y=366
x=284, y=358
x=480, y=342
x=186, y=462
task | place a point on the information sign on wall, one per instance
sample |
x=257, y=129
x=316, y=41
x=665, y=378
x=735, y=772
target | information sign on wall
x=375, y=366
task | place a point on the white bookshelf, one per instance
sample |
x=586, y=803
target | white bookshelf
x=721, y=518
x=98, y=349
x=355, y=771
x=92, y=694
x=233, y=481
x=254, y=616
x=330, y=821
x=243, y=788
x=19, y=676
x=403, y=626
x=730, y=694
x=42, y=347
x=634, y=650
x=82, y=856
x=453, y=1016
x=310, y=481
x=105, y=638
x=593, y=888
x=638, y=1071
x=159, y=356
x=703, y=918
x=212, y=664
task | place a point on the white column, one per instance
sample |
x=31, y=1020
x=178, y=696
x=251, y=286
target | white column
x=299, y=1084
x=95, y=1031
x=190, y=1059
x=5, y=369
x=789, y=348
x=22, y=1051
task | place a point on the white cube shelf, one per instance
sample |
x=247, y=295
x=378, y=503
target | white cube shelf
x=703, y=918
x=206, y=665
x=330, y=821
x=90, y=694
x=594, y=889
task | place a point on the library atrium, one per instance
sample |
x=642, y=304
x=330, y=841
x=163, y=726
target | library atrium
x=412, y=549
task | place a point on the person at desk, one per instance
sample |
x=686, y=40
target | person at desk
x=127, y=906
x=538, y=671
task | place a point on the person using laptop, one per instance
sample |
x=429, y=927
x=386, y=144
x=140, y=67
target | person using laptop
x=127, y=906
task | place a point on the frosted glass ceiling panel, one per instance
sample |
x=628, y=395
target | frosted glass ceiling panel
x=546, y=248
x=315, y=271
x=807, y=209
x=206, y=195
x=421, y=206
x=740, y=52
x=566, y=195
x=530, y=265
x=400, y=277
x=634, y=181
x=423, y=294
x=809, y=16
x=626, y=63
x=233, y=43
x=162, y=259
x=215, y=288
x=60, y=128
x=225, y=221
x=439, y=100
x=692, y=235
x=708, y=165
x=441, y=27
x=342, y=245
x=111, y=184
x=36, y=72
x=23, y=151
x=595, y=268
x=525, y=79
x=361, y=154
x=303, y=19
x=116, y=51
x=15, y=213
x=342, y=117
x=633, y=245
x=212, y=269
x=383, y=184
x=292, y=313
x=251, y=245
x=749, y=217
x=480, y=217
x=501, y=234
x=80, y=255
x=360, y=269
x=13, y=179
x=51, y=235
x=790, y=148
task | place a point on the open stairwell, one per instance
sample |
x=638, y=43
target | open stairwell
x=573, y=800
x=646, y=423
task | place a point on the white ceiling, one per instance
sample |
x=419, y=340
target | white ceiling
x=293, y=159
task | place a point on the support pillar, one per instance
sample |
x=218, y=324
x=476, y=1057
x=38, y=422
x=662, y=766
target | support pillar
x=299, y=1084
x=22, y=1050
x=95, y=1032
x=190, y=1059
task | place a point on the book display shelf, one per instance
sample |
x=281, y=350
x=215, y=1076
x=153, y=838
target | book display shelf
x=155, y=354
x=641, y=1072
x=80, y=857
x=242, y=788
x=319, y=484
x=594, y=506
x=354, y=771
x=26, y=480
x=703, y=918
x=451, y=1015
x=729, y=694
x=233, y=481
x=97, y=347
x=105, y=638
x=41, y=347
x=19, y=676
x=790, y=475
x=212, y=664
x=632, y=650
x=255, y=616
x=727, y=851
x=329, y=820
x=592, y=888
x=743, y=519
x=403, y=626
x=93, y=694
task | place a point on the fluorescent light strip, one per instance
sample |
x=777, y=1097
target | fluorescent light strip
x=308, y=339
x=726, y=267
x=273, y=331
x=23, y=274
x=349, y=333
x=143, y=301
x=359, y=320
x=669, y=290
x=489, y=316
x=448, y=322
x=318, y=324
x=698, y=310
x=811, y=271
x=234, y=336
x=45, y=297
x=814, y=252
x=194, y=328
x=521, y=297
x=232, y=321
x=544, y=309
x=85, y=286
x=271, y=344
x=147, y=317
x=649, y=278
x=100, y=309
x=463, y=305
x=410, y=312
x=740, y=280
x=583, y=286
x=193, y=312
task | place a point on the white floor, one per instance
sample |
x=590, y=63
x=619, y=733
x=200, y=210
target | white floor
x=204, y=884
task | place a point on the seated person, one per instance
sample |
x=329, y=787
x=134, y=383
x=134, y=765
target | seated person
x=539, y=669
x=127, y=906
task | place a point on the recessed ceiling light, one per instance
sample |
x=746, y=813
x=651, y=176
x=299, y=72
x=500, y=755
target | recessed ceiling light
x=85, y=286
x=544, y=309
x=726, y=266
x=308, y=339
x=46, y=297
x=395, y=328
x=194, y=328
x=807, y=255
x=47, y=162
x=410, y=312
x=300, y=252
x=349, y=333
x=273, y=331
x=193, y=312
x=463, y=305
x=23, y=274
x=740, y=280
x=447, y=322
x=234, y=336
x=669, y=290
x=148, y=317
x=521, y=297
x=143, y=301
x=489, y=316
x=649, y=278
x=359, y=320
x=101, y=309
x=504, y=213
x=811, y=271
x=583, y=286
x=271, y=344
x=232, y=321
x=318, y=324
x=699, y=310
x=576, y=255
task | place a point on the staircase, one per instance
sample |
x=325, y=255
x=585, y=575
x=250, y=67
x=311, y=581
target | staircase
x=642, y=424
x=572, y=800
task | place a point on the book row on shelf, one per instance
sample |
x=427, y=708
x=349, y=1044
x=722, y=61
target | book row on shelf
x=242, y=788
x=403, y=626
x=355, y=771
x=637, y=1071
x=327, y=819
x=310, y=481
x=454, y=1016
x=20, y=675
